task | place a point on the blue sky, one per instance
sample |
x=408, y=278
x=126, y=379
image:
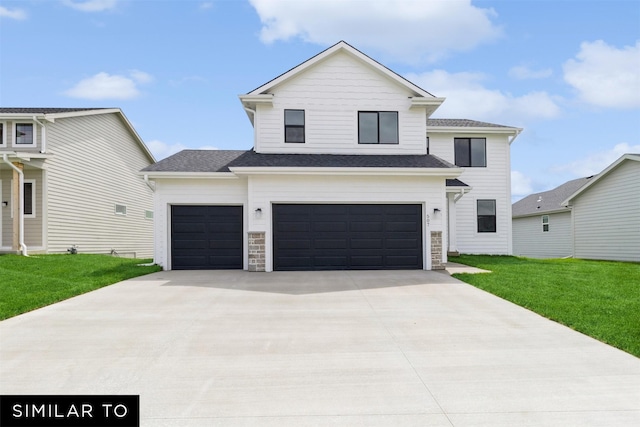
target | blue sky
x=568, y=72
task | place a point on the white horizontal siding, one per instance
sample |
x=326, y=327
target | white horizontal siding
x=192, y=192
x=530, y=241
x=94, y=165
x=8, y=129
x=492, y=182
x=607, y=216
x=32, y=225
x=332, y=93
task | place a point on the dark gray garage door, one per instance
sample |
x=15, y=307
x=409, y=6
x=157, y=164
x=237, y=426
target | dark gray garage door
x=206, y=237
x=347, y=237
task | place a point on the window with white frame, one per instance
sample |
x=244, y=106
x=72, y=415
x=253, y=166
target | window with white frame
x=148, y=214
x=120, y=209
x=29, y=202
x=3, y=134
x=545, y=223
x=24, y=134
x=294, y=126
x=470, y=152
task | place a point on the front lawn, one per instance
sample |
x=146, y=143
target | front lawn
x=598, y=298
x=27, y=283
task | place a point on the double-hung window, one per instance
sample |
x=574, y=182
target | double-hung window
x=377, y=127
x=3, y=135
x=545, y=223
x=486, y=216
x=24, y=134
x=294, y=126
x=470, y=152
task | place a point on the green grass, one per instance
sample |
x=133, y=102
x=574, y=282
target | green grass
x=598, y=298
x=27, y=283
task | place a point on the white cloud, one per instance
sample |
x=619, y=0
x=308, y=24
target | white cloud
x=162, y=150
x=409, y=30
x=17, y=14
x=91, y=5
x=521, y=185
x=206, y=5
x=468, y=98
x=597, y=162
x=523, y=72
x=606, y=76
x=106, y=86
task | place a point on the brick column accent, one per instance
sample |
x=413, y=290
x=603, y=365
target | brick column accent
x=436, y=251
x=255, y=242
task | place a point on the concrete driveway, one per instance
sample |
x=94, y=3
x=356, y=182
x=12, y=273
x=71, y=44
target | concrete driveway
x=325, y=348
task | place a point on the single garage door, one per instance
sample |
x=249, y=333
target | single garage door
x=206, y=237
x=347, y=237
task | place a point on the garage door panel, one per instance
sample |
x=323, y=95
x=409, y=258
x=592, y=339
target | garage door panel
x=294, y=244
x=206, y=237
x=348, y=236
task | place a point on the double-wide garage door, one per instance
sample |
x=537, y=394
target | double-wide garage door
x=347, y=237
x=206, y=237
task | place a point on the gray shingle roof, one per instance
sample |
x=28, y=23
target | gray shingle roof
x=222, y=160
x=456, y=183
x=13, y=110
x=463, y=123
x=547, y=201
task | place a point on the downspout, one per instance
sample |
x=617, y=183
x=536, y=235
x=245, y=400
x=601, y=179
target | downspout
x=253, y=121
x=44, y=135
x=151, y=186
x=5, y=158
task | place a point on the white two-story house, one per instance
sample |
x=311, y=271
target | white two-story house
x=347, y=171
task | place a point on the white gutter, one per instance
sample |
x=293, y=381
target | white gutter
x=43, y=148
x=23, y=247
x=151, y=186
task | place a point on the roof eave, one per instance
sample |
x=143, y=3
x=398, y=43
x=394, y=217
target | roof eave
x=538, y=213
x=379, y=171
x=187, y=175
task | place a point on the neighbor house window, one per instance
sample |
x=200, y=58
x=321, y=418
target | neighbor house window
x=545, y=223
x=486, y=216
x=377, y=127
x=121, y=210
x=24, y=134
x=470, y=152
x=3, y=141
x=29, y=203
x=293, y=125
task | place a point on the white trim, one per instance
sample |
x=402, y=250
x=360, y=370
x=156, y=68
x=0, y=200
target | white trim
x=476, y=130
x=333, y=171
x=14, y=135
x=192, y=175
x=3, y=140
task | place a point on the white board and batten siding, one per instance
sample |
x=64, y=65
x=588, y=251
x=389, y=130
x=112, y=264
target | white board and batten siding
x=607, y=216
x=94, y=165
x=169, y=192
x=266, y=190
x=492, y=182
x=529, y=239
x=332, y=95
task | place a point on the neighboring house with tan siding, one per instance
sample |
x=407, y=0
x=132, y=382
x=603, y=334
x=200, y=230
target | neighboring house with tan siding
x=81, y=185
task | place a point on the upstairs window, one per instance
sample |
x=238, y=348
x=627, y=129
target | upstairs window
x=3, y=142
x=545, y=223
x=294, y=126
x=486, y=216
x=24, y=134
x=470, y=152
x=377, y=127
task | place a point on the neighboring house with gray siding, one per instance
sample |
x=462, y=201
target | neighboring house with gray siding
x=541, y=225
x=80, y=183
x=606, y=213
